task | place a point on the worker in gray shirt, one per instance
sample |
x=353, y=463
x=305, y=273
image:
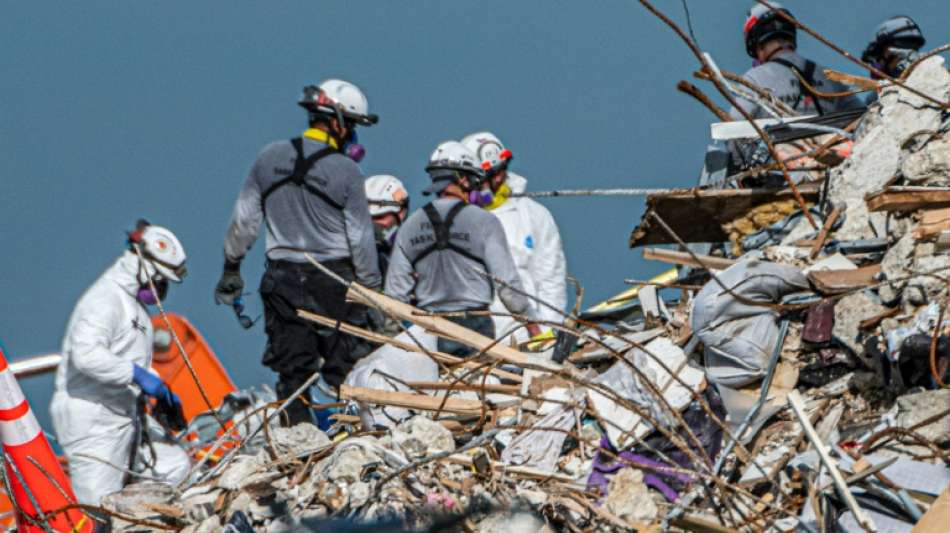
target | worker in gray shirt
x=444, y=251
x=771, y=42
x=309, y=194
x=798, y=82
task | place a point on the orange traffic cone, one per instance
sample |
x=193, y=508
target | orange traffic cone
x=34, y=476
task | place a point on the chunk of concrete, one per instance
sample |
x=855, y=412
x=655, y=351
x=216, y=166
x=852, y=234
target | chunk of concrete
x=629, y=498
x=421, y=436
x=349, y=464
x=298, y=440
x=876, y=156
x=915, y=408
x=849, y=312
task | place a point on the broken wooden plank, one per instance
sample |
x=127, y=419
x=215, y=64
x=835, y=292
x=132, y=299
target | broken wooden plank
x=932, y=223
x=450, y=330
x=838, y=281
x=904, y=199
x=935, y=520
x=697, y=215
x=699, y=524
x=462, y=386
x=407, y=346
x=860, y=82
x=685, y=259
x=798, y=407
x=408, y=400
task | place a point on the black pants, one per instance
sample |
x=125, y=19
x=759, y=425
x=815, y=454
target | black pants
x=297, y=348
x=479, y=323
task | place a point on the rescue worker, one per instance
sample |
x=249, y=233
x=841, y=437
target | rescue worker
x=309, y=194
x=442, y=247
x=107, y=354
x=770, y=40
x=895, y=45
x=533, y=236
x=388, y=205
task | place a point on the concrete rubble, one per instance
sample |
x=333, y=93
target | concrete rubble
x=644, y=435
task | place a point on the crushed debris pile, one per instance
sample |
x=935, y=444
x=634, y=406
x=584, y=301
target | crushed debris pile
x=796, y=386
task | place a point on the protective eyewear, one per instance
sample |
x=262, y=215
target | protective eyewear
x=245, y=321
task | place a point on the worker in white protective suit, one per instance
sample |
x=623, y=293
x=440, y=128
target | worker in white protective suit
x=107, y=354
x=532, y=234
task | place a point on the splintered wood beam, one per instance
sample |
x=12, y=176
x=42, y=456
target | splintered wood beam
x=798, y=407
x=932, y=223
x=862, y=83
x=448, y=329
x=408, y=400
x=475, y=387
x=379, y=338
x=685, y=259
x=903, y=199
x=838, y=281
x=698, y=215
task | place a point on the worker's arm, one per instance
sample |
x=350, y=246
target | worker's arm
x=89, y=339
x=399, y=278
x=359, y=230
x=245, y=218
x=548, y=265
x=501, y=265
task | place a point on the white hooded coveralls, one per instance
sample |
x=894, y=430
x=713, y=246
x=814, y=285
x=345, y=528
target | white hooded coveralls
x=535, y=244
x=94, y=402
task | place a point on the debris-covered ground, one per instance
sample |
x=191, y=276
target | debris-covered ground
x=791, y=378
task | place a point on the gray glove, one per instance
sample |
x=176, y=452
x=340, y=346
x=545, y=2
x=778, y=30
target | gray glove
x=230, y=286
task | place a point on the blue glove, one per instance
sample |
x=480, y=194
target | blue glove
x=153, y=386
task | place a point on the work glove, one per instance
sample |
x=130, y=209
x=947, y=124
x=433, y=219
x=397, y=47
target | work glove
x=230, y=286
x=153, y=386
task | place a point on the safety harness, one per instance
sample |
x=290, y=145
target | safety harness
x=298, y=177
x=443, y=234
x=808, y=74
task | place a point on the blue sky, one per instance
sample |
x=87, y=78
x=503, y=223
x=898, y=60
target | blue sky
x=111, y=111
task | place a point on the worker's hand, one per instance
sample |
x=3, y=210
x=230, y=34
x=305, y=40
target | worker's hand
x=230, y=286
x=153, y=386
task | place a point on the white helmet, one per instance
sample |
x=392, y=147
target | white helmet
x=338, y=98
x=385, y=194
x=490, y=152
x=446, y=162
x=162, y=251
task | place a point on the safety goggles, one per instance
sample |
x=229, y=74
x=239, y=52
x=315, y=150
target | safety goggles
x=245, y=321
x=315, y=99
x=391, y=203
x=179, y=271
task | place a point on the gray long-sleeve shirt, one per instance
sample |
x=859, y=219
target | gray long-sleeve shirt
x=784, y=84
x=298, y=218
x=446, y=280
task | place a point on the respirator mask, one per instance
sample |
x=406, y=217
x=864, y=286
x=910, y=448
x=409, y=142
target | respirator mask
x=145, y=294
x=387, y=235
x=352, y=147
